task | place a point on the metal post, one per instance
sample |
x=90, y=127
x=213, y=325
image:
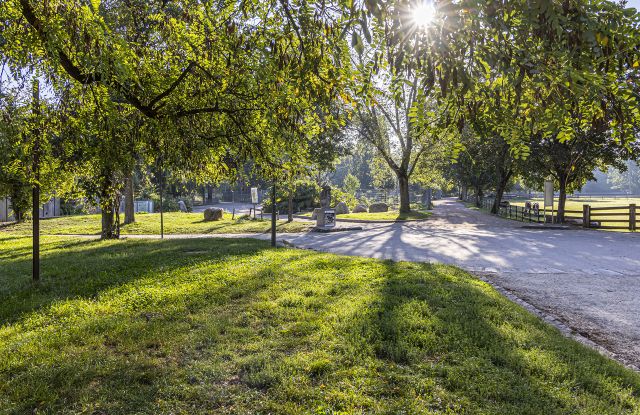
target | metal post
x=161, y=194
x=632, y=217
x=36, y=183
x=274, y=208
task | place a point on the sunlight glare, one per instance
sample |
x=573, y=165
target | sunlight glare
x=423, y=14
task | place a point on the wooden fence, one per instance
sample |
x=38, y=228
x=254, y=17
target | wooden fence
x=624, y=217
x=603, y=217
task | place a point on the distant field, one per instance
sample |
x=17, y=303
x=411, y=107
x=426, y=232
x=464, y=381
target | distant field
x=595, y=202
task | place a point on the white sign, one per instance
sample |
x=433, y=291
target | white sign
x=548, y=193
x=254, y=195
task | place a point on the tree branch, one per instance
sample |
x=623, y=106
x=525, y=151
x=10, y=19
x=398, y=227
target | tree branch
x=173, y=86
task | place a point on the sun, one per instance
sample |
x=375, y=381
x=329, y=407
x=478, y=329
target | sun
x=423, y=14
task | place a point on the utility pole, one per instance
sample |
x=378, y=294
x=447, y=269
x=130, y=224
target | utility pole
x=274, y=210
x=35, y=169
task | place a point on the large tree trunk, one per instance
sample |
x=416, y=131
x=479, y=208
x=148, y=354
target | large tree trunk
x=110, y=222
x=403, y=182
x=209, y=194
x=502, y=185
x=479, y=196
x=290, y=207
x=562, y=198
x=129, y=205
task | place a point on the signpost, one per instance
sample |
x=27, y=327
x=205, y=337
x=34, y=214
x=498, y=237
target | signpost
x=548, y=198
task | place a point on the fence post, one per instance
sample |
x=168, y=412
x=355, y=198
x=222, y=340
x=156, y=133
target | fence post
x=586, y=216
x=632, y=217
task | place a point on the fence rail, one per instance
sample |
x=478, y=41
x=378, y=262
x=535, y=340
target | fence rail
x=601, y=217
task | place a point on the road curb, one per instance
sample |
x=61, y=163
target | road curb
x=555, y=322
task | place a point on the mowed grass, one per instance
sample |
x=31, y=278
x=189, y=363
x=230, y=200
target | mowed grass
x=383, y=216
x=576, y=205
x=212, y=326
x=174, y=223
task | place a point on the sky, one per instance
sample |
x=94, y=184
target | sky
x=634, y=3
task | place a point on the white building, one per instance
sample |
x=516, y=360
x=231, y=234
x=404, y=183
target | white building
x=47, y=210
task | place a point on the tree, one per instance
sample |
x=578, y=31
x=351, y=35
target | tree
x=571, y=163
x=14, y=181
x=473, y=167
x=220, y=74
x=351, y=184
x=21, y=132
x=628, y=180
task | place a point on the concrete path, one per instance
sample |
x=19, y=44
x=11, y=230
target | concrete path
x=589, y=280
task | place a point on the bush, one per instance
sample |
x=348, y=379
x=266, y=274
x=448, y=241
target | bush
x=338, y=195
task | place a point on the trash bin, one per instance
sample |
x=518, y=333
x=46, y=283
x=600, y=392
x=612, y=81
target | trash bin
x=326, y=218
x=329, y=218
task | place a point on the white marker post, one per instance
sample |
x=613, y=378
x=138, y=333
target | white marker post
x=548, y=198
x=254, y=199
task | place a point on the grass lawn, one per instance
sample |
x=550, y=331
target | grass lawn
x=174, y=223
x=380, y=216
x=210, y=326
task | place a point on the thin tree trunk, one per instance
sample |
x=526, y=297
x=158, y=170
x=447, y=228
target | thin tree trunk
x=403, y=181
x=129, y=204
x=290, y=207
x=209, y=194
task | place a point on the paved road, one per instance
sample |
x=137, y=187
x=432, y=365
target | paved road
x=589, y=280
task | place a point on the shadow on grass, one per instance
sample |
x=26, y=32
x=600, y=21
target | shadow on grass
x=235, y=328
x=86, y=267
x=488, y=353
